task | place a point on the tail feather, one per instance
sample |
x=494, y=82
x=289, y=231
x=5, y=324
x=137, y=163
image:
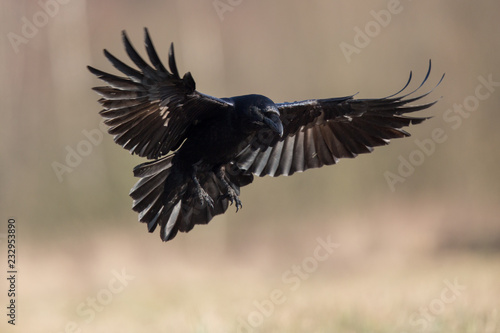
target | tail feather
x=194, y=212
x=149, y=201
x=154, y=167
x=173, y=204
x=148, y=191
x=148, y=188
x=186, y=211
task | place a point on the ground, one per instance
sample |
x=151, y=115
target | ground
x=378, y=275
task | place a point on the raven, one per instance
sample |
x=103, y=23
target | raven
x=204, y=149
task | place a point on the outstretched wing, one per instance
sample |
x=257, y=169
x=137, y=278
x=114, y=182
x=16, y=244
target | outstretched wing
x=318, y=132
x=151, y=109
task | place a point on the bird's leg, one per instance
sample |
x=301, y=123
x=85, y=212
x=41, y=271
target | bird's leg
x=230, y=194
x=200, y=192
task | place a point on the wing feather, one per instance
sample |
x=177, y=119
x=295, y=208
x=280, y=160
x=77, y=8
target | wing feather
x=151, y=109
x=298, y=153
x=320, y=132
x=286, y=156
x=323, y=153
x=274, y=158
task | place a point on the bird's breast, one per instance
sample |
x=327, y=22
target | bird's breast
x=212, y=145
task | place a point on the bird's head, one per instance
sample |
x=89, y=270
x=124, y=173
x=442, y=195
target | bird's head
x=263, y=113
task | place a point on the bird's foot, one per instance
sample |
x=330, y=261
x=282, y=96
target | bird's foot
x=204, y=197
x=231, y=194
x=201, y=193
x=233, y=198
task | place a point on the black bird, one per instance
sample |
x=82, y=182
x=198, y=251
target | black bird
x=205, y=148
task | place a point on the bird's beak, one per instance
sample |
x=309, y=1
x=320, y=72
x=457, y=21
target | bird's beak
x=274, y=123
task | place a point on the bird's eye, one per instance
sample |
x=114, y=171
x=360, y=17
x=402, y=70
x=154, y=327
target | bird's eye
x=256, y=114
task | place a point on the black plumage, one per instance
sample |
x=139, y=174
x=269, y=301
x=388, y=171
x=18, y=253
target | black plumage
x=204, y=149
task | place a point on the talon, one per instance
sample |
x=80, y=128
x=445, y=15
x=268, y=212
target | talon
x=238, y=204
x=232, y=197
x=231, y=194
x=202, y=195
x=205, y=198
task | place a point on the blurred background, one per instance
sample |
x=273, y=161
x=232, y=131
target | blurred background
x=416, y=227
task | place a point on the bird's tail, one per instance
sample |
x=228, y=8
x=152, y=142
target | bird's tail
x=164, y=196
